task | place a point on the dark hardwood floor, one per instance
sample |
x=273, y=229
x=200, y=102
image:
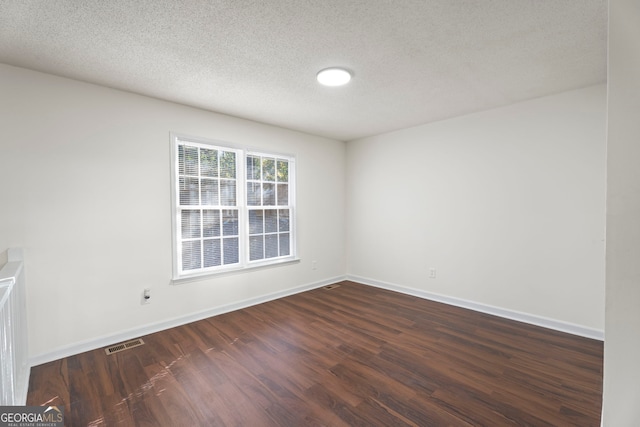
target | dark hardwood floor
x=350, y=356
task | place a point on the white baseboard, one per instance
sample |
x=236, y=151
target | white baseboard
x=107, y=340
x=532, y=319
x=129, y=334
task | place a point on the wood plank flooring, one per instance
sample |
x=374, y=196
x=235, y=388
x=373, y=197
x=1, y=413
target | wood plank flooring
x=350, y=356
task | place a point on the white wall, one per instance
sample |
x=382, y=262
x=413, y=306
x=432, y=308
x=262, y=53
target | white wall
x=507, y=205
x=85, y=179
x=622, y=346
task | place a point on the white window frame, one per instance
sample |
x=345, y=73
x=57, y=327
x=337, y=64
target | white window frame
x=243, y=209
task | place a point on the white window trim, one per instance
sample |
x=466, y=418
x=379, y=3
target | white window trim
x=243, y=217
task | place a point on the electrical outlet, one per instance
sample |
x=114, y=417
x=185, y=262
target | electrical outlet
x=146, y=296
x=432, y=273
x=314, y=265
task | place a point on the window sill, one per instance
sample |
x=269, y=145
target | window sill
x=232, y=271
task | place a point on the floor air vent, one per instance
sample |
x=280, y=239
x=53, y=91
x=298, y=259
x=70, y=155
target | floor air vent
x=329, y=287
x=124, y=346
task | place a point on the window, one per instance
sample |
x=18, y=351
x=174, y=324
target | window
x=232, y=209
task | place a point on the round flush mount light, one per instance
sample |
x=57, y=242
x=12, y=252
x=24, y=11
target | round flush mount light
x=333, y=76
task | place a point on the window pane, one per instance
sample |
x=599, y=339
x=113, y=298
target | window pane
x=253, y=167
x=229, y=222
x=190, y=224
x=283, y=194
x=253, y=194
x=191, y=255
x=181, y=159
x=283, y=220
x=283, y=171
x=209, y=188
x=227, y=193
x=268, y=169
x=188, y=160
x=228, y=164
x=231, y=252
x=189, y=191
x=271, y=245
x=256, y=222
x=211, y=223
x=270, y=221
x=256, y=247
x=285, y=244
x=208, y=162
x=212, y=253
x=268, y=194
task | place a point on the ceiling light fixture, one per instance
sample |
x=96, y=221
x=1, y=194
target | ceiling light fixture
x=333, y=76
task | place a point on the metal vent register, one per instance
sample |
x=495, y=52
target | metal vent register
x=124, y=346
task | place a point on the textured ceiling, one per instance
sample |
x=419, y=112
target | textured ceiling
x=413, y=61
